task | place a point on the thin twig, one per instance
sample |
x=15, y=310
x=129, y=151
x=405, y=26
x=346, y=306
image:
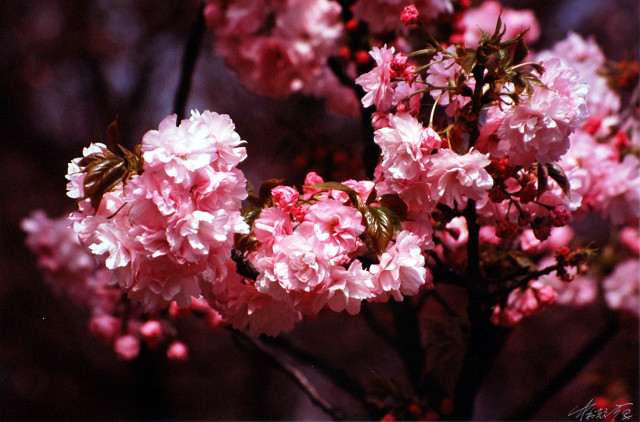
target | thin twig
x=298, y=377
x=191, y=52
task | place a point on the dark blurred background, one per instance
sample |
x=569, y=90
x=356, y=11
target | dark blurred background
x=67, y=68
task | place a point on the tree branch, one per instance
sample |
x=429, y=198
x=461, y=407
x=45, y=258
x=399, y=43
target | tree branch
x=189, y=58
x=340, y=377
x=293, y=373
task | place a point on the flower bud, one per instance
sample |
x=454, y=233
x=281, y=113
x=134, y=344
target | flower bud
x=127, y=347
x=410, y=15
x=151, y=332
x=178, y=351
x=105, y=327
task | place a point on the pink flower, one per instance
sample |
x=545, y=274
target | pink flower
x=484, y=18
x=349, y=287
x=630, y=237
x=406, y=147
x=382, y=15
x=207, y=139
x=401, y=270
x=127, y=347
x=377, y=82
x=337, y=226
x=280, y=47
x=312, y=178
x=444, y=71
x=297, y=262
x=271, y=226
x=457, y=177
x=588, y=59
x=244, y=307
x=285, y=197
x=178, y=351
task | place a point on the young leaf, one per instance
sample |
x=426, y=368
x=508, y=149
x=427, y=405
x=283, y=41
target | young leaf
x=353, y=195
x=381, y=225
x=395, y=204
x=557, y=173
x=542, y=179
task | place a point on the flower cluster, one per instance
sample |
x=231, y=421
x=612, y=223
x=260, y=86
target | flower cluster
x=164, y=229
x=280, y=47
x=73, y=272
x=323, y=247
x=480, y=141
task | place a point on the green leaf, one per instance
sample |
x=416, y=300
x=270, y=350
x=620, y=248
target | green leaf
x=353, y=195
x=381, y=226
x=557, y=173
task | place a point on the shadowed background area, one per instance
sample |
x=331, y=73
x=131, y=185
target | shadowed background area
x=67, y=69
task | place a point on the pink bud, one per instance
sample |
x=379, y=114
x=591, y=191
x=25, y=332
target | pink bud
x=105, y=327
x=410, y=15
x=311, y=179
x=127, y=347
x=178, y=351
x=409, y=74
x=399, y=62
x=528, y=303
x=151, y=332
x=546, y=295
x=285, y=197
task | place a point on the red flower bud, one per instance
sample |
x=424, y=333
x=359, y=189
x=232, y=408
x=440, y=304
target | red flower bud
x=410, y=15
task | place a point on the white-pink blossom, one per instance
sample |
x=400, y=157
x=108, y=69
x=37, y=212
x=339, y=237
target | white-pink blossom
x=401, y=270
x=457, y=177
x=377, y=82
x=538, y=128
x=406, y=147
x=337, y=227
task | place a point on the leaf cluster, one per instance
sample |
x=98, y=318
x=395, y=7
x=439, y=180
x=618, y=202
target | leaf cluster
x=109, y=167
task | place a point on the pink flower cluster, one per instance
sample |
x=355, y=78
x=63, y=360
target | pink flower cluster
x=538, y=128
x=484, y=18
x=280, y=47
x=73, y=272
x=170, y=229
x=415, y=166
x=523, y=301
x=307, y=258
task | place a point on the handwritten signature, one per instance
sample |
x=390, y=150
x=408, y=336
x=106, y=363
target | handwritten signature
x=591, y=412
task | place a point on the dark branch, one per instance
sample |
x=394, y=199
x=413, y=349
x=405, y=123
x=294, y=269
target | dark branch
x=298, y=377
x=191, y=52
x=340, y=377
